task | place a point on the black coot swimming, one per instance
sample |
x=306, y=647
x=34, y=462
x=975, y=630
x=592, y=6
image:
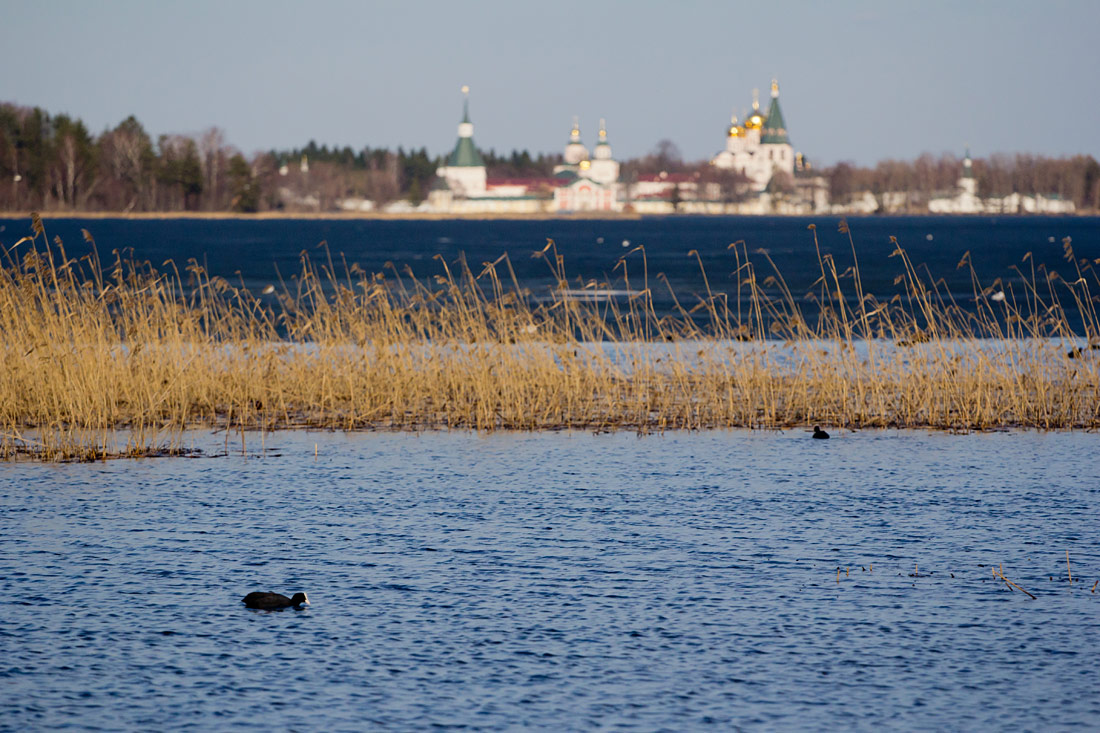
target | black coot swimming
x=819, y=433
x=274, y=601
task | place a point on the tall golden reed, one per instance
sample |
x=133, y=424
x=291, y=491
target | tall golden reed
x=105, y=360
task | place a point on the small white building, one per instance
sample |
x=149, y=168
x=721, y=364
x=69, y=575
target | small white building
x=965, y=199
x=1015, y=203
x=584, y=194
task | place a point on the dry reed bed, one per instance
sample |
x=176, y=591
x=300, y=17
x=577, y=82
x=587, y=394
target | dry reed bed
x=91, y=353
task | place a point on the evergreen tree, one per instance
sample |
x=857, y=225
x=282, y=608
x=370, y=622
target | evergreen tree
x=414, y=194
x=245, y=194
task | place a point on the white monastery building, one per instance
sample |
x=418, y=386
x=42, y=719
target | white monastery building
x=590, y=181
x=583, y=182
x=769, y=178
x=760, y=147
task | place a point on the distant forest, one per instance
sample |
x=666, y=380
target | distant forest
x=52, y=162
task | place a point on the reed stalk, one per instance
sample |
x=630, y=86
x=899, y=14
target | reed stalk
x=1001, y=574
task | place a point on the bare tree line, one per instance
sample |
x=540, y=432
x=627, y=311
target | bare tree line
x=1075, y=178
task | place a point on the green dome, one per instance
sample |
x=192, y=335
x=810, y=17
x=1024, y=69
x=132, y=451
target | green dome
x=465, y=155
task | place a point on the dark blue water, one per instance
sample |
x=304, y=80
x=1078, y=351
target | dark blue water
x=256, y=251
x=559, y=582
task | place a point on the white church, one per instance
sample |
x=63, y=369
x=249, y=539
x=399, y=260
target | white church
x=760, y=147
x=464, y=172
x=587, y=183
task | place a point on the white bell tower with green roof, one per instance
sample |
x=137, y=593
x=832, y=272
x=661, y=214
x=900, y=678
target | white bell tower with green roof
x=968, y=183
x=464, y=171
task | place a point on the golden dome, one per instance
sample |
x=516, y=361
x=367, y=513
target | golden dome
x=735, y=129
x=755, y=121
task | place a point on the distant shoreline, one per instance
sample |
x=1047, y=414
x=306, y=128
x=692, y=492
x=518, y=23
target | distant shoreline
x=425, y=216
x=331, y=215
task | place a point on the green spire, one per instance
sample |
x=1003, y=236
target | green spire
x=774, y=130
x=968, y=167
x=465, y=153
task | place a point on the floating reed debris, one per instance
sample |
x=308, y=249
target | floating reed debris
x=115, y=359
x=1001, y=574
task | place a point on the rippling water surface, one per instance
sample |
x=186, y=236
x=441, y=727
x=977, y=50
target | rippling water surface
x=262, y=252
x=559, y=581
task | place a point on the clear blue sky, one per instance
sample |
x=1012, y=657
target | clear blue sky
x=859, y=80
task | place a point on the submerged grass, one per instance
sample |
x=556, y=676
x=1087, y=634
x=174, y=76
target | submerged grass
x=101, y=361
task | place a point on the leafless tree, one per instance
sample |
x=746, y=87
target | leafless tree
x=213, y=156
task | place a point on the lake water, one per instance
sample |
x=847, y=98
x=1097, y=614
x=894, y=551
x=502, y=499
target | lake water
x=559, y=581
x=255, y=252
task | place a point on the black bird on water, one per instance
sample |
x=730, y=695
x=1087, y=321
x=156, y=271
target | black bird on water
x=274, y=601
x=820, y=434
